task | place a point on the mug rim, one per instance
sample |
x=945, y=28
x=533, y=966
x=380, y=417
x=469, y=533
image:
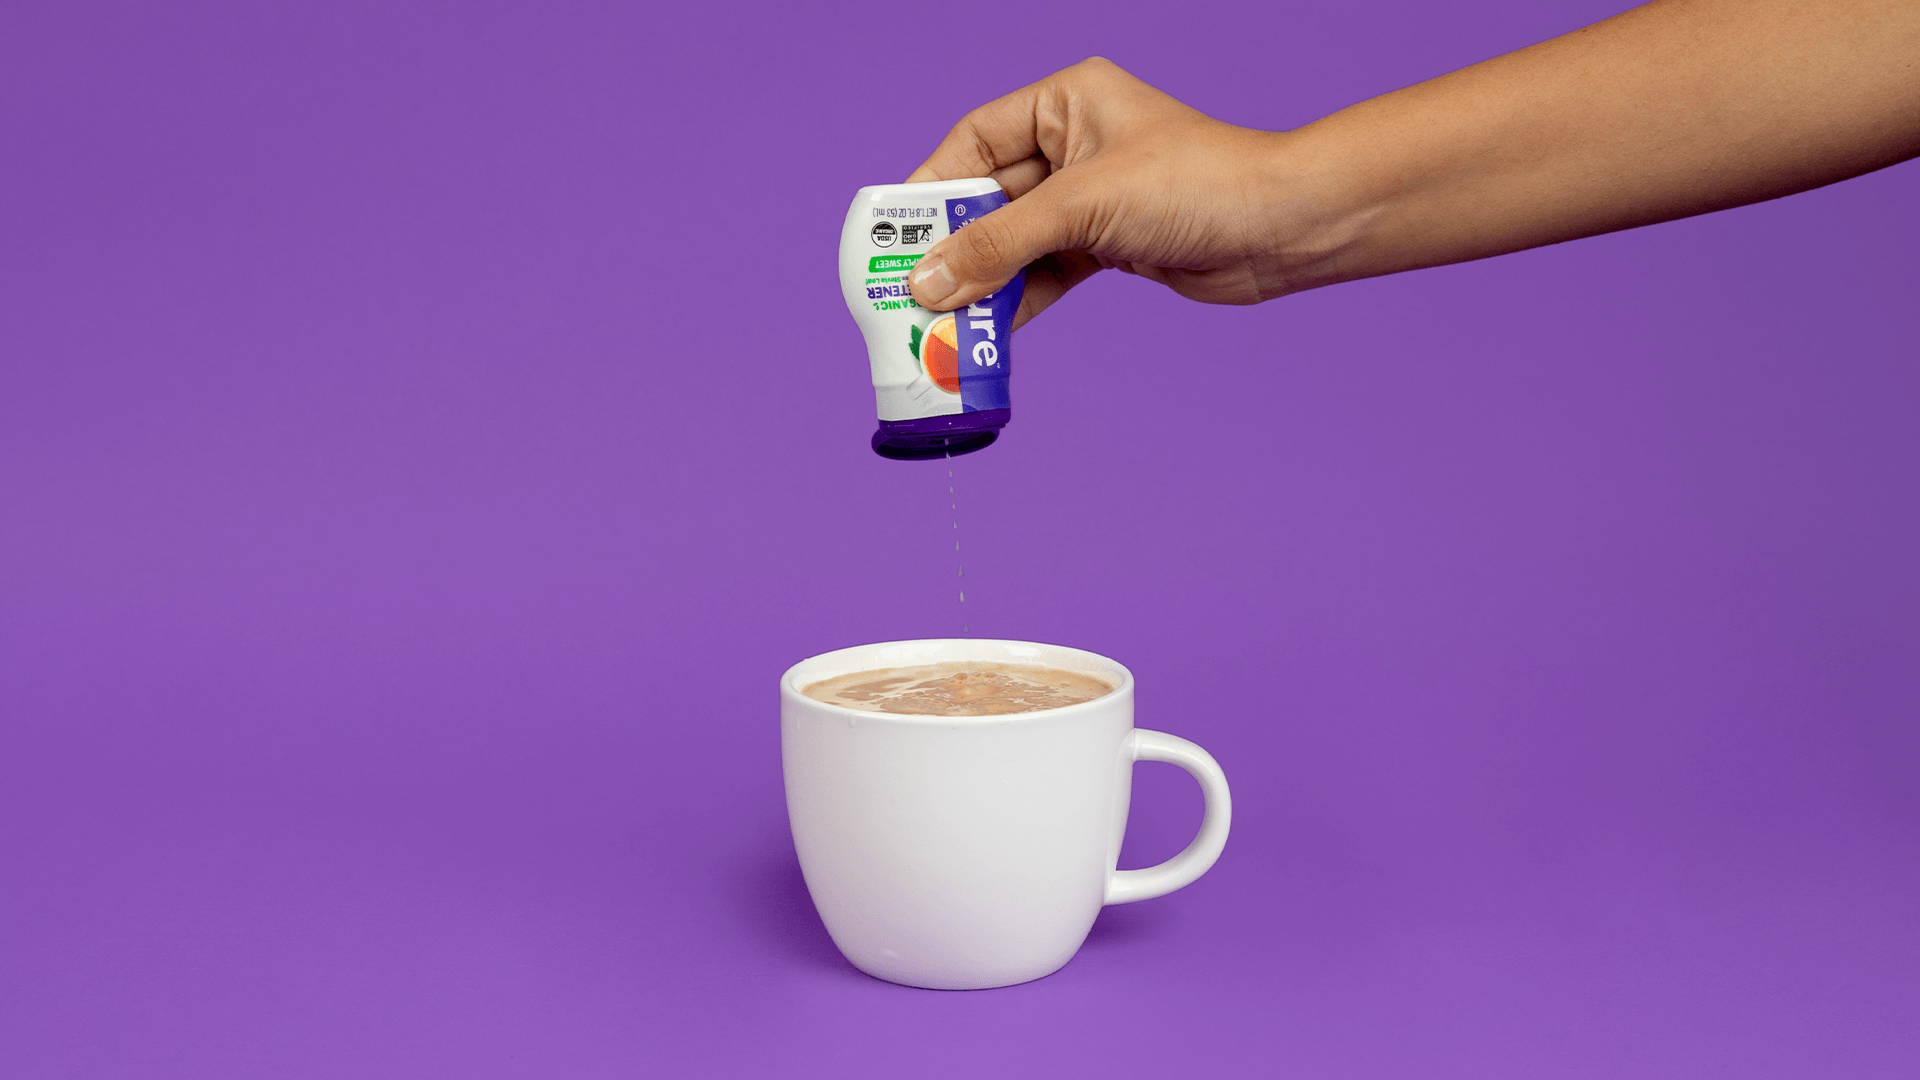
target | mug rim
x=1123, y=689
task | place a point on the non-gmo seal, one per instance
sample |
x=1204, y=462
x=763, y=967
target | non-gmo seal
x=884, y=234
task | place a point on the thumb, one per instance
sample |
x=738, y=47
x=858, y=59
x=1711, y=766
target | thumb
x=991, y=249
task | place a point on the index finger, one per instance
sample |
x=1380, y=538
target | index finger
x=1001, y=132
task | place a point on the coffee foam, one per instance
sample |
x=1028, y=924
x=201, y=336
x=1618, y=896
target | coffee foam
x=959, y=688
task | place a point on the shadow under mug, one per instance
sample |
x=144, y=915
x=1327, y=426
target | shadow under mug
x=959, y=853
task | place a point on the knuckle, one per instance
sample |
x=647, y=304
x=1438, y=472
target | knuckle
x=1072, y=209
x=1097, y=71
x=988, y=244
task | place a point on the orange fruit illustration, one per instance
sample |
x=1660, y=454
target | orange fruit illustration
x=940, y=355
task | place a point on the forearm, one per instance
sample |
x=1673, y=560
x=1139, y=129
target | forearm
x=1673, y=109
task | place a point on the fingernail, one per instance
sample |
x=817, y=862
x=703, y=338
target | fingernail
x=932, y=282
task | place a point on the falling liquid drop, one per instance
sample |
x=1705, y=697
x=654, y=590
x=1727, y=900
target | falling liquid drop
x=953, y=504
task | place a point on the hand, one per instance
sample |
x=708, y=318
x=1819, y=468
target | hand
x=1105, y=171
x=1679, y=107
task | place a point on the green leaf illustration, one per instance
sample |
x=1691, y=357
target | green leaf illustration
x=913, y=343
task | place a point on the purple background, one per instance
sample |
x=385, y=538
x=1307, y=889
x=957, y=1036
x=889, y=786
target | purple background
x=427, y=430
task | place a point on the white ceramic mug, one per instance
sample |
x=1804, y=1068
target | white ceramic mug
x=959, y=853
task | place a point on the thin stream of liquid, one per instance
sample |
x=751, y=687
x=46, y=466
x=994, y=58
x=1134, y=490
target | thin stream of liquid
x=953, y=504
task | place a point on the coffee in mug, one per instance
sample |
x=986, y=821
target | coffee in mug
x=954, y=688
x=958, y=804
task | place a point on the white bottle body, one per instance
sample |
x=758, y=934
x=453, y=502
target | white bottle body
x=939, y=374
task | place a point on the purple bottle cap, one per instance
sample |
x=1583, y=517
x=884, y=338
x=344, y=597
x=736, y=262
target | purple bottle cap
x=939, y=436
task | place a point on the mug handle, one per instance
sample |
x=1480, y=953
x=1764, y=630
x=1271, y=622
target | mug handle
x=1127, y=886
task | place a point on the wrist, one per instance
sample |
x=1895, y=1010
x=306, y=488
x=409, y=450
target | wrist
x=1315, y=209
